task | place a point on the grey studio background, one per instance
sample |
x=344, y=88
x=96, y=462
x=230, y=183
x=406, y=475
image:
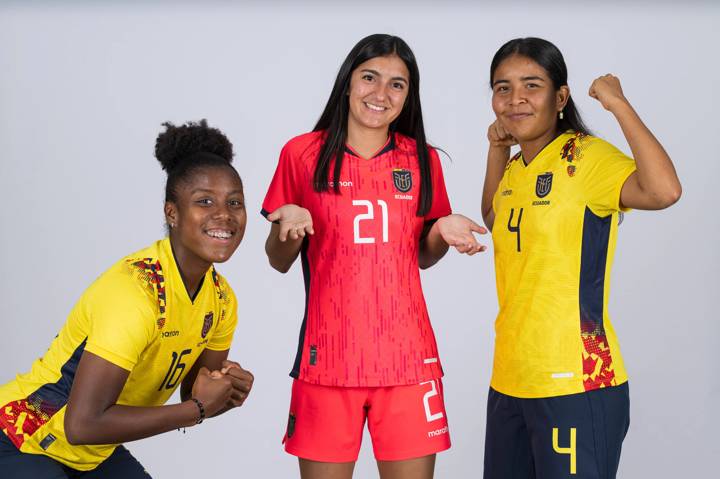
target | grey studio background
x=84, y=87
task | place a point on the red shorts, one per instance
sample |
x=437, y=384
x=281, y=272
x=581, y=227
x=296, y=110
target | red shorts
x=326, y=423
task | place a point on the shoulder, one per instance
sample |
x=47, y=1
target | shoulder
x=579, y=147
x=305, y=146
x=222, y=286
x=134, y=281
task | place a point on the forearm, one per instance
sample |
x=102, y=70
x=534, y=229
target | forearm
x=432, y=248
x=281, y=254
x=656, y=174
x=119, y=424
x=496, y=161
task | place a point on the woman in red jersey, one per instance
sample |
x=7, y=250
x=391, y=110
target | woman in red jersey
x=362, y=200
x=558, y=405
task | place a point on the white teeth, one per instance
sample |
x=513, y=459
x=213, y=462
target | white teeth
x=219, y=234
x=375, y=107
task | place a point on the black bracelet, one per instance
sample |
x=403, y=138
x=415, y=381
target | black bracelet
x=201, y=408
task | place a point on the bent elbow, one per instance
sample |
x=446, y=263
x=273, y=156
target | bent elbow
x=670, y=197
x=73, y=431
x=277, y=266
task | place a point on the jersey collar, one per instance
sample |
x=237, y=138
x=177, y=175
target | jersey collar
x=389, y=146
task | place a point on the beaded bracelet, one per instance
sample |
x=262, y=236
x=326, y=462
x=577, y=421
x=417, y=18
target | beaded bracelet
x=201, y=408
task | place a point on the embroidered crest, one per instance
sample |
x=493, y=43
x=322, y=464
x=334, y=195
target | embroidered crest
x=402, y=179
x=543, y=185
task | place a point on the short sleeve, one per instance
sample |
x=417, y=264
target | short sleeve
x=440, y=202
x=284, y=187
x=223, y=335
x=121, y=317
x=604, y=171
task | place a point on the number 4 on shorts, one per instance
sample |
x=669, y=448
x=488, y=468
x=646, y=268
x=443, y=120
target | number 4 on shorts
x=567, y=450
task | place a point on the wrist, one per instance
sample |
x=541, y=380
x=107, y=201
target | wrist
x=199, y=410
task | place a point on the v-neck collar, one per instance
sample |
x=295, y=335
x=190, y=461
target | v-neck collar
x=175, y=277
x=389, y=146
x=547, y=150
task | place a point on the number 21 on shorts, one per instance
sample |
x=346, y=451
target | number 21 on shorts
x=426, y=402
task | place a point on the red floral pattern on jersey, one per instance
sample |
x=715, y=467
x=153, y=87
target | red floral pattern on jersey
x=598, y=369
x=222, y=292
x=20, y=419
x=149, y=270
x=573, y=148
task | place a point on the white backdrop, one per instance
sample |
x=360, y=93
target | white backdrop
x=83, y=91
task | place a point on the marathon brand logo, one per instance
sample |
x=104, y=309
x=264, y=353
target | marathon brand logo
x=47, y=441
x=347, y=184
x=207, y=324
x=506, y=193
x=541, y=202
x=402, y=179
x=313, y=355
x=169, y=334
x=438, y=432
x=543, y=185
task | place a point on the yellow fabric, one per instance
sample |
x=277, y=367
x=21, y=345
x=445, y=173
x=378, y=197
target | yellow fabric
x=540, y=349
x=140, y=320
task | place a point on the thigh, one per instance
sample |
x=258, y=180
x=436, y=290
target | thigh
x=119, y=465
x=508, y=454
x=325, y=470
x=325, y=423
x=418, y=468
x=408, y=422
x=578, y=435
x=19, y=465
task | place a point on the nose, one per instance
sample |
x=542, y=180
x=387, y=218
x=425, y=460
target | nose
x=222, y=212
x=517, y=97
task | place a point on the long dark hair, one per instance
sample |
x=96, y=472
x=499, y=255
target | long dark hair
x=334, y=118
x=549, y=57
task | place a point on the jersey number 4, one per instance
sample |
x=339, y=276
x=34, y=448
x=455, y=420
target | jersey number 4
x=515, y=229
x=369, y=215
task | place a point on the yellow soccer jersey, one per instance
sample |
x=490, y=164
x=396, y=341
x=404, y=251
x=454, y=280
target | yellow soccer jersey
x=136, y=315
x=555, y=231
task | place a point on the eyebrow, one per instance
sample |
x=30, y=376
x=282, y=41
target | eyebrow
x=375, y=72
x=521, y=78
x=205, y=190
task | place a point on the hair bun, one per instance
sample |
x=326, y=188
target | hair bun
x=179, y=142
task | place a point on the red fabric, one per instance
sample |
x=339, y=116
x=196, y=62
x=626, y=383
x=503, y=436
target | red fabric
x=405, y=422
x=366, y=320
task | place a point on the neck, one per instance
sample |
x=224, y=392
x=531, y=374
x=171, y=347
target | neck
x=366, y=141
x=531, y=148
x=192, y=269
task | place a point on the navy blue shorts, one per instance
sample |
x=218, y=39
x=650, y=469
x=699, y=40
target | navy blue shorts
x=20, y=465
x=573, y=436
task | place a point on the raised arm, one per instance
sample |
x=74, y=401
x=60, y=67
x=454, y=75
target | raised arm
x=290, y=225
x=655, y=184
x=94, y=417
x=498, y=155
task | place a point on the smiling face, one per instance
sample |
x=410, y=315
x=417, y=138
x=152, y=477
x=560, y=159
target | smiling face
x=378, y=89
x=525, y=100
x=207, y=222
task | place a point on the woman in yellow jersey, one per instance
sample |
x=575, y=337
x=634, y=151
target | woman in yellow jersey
x=558, y=404
x=158, y=318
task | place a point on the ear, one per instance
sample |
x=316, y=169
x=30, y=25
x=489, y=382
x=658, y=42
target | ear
x=171, y=214
x=562, y=96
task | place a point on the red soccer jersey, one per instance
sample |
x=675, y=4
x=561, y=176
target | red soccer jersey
x=366, y=323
